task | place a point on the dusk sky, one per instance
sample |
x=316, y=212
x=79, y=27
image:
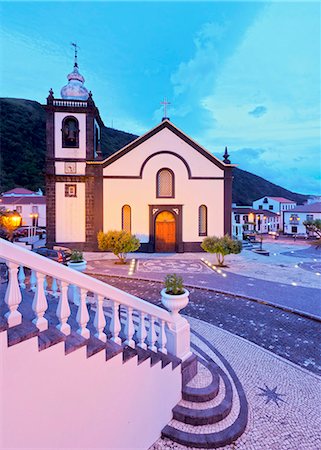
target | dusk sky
x=245, y=75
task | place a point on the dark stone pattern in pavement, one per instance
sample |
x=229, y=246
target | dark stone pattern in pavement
x=285, y=334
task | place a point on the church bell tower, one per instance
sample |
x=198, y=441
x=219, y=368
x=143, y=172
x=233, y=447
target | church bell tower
x=73, y=130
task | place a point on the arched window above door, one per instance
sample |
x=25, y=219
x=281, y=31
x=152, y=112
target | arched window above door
x=126, y=218
x=70, y=132
x=165, y=183
x=202, y=220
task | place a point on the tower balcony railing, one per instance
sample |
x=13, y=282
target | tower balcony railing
x=70, y=103
x=131, y=320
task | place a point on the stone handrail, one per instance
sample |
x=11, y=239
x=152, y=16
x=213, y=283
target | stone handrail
x=173, y=334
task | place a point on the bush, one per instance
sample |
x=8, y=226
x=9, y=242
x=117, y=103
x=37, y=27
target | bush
x=221, y=246
x=118, y=242
x=76, y=256
x=174, y=284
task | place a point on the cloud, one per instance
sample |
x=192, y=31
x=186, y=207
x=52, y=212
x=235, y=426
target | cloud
x=258, y=111
x=273, y=73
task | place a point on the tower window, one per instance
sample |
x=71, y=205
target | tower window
x=70, y=190
x=70, y=132
x=202, y=220
x=165, y=183
x=126, y=219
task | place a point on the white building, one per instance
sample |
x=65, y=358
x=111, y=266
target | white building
x=163, y=187
x=293, y=220
x=29, y=204
x=276, y=204
x=246, y=220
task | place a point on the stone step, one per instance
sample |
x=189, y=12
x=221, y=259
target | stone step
x=203, y=387
x=207, y=415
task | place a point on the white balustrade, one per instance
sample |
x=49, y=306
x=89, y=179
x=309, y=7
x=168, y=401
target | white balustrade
x=63, y=309
x=100, y=320
x=13, y=296
x=39, y=304
x=21, y=277
x=161, y=339
x=173, y=331
x=129, y=328
x=115, y=325
x=141, y=331
x=82, y=315
x=151, y=338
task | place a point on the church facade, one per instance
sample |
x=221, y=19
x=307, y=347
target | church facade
x=163, y=187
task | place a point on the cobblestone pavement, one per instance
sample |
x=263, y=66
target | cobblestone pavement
x=295, y=338
x=284, y=400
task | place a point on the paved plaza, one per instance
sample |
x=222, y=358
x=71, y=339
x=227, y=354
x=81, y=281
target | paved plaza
x=290, y=277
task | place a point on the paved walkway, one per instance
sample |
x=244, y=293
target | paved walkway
x=285, y=280
x=284, y=399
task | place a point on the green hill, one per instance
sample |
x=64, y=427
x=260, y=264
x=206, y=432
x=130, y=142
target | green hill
x=23, y=147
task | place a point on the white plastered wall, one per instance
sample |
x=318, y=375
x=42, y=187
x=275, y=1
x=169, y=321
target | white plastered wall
x=139, y=193
x=70, y=214
x=61, y=152
x=74, y=402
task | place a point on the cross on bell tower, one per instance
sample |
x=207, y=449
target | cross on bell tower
x=165, y=103
x=76, y=47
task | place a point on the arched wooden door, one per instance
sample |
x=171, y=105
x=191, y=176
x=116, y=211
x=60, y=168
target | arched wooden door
x=165, y=232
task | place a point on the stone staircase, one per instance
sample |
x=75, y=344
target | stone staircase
x=213, y=411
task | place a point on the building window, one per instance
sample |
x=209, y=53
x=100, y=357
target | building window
x=19, y=209
x=165, y=183
x=309, y=217
x=70, y=132
x=245, y=219
x=237, y=218
x=35, y=209
x=202, y=220
x=294, y=229
x=126, y=219
x=271, y=207
x=70, y=190
x=265, y=200
x=260, y=206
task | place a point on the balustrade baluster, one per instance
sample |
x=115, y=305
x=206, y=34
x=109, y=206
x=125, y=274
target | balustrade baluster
x=22, y=277
x=141, y=331
x=100, y=320
x=63, y=309
x=82, y=315
x=129, y=328
x=39, y=304
x=152, y=334
x=13, y=296
x=33, y=280
x=162, y=340
x=115, y=325
x=54, y=287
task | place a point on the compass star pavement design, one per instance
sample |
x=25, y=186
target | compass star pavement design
x=271, y=395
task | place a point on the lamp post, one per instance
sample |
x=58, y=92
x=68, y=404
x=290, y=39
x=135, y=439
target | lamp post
x=34, y=221
x=10, y=221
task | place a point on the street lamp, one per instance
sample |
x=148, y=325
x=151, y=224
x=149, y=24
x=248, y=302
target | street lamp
x=10, y=221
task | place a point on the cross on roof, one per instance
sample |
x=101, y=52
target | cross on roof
x=165, y=103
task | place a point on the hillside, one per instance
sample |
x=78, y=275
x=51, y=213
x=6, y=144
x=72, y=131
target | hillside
x=23, y=146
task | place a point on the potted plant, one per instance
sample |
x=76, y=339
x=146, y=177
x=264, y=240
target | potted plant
x=174, y=295
x=77, y=261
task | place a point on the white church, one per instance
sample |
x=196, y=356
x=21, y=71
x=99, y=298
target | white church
x=163, y=187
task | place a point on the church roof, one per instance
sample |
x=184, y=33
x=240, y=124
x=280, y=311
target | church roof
x=169, y=125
